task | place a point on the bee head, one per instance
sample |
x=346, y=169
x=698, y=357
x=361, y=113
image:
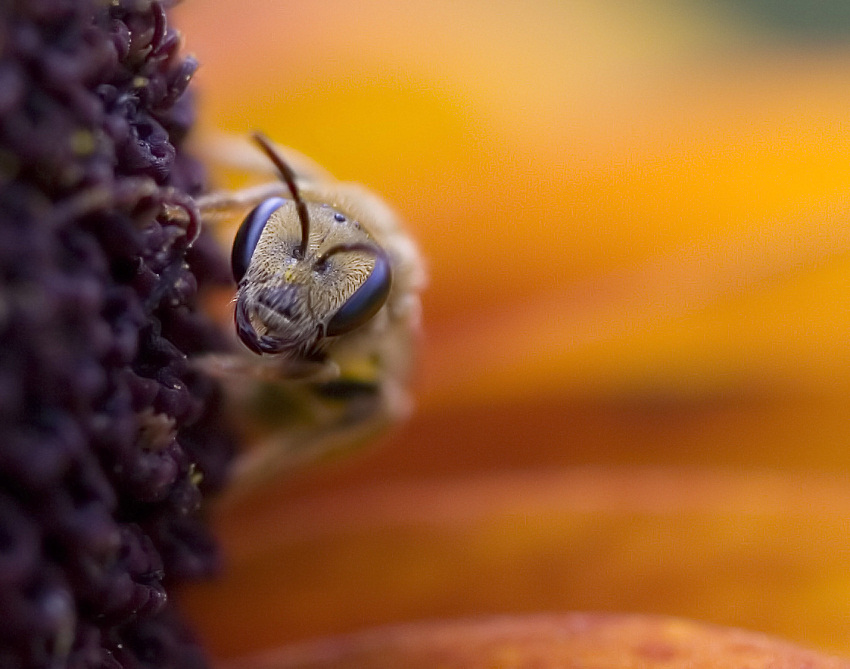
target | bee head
x=296, y=290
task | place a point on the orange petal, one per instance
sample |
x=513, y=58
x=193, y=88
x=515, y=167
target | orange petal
x=612, y=200
x=593, y=641
x=758, y=550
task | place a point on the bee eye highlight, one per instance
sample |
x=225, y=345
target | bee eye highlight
x=366, y=300
x=249, y=234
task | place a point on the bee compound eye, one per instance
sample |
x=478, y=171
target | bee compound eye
x=366, y=300
x=249, y=233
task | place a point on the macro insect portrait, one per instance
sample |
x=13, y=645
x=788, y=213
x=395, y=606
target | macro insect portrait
x=326, y=313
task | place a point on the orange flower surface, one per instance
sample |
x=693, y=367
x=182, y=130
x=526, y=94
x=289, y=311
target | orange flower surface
x=633, y=385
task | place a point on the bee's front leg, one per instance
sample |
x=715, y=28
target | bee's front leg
x=223, y=205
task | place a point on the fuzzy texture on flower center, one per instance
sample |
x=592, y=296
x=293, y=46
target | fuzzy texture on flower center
x=108, y=439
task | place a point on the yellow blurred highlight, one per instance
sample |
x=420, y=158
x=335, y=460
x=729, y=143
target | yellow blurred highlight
x=564, y=190
x=635, y=217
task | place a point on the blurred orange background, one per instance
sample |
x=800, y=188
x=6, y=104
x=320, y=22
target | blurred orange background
x=634, y=377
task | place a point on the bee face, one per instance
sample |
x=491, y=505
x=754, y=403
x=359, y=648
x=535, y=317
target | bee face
x=306, y=273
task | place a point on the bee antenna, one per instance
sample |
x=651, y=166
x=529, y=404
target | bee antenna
x=288, y=176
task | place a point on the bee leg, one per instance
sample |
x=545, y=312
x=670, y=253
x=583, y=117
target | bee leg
x=238, y=368
x=235, y=153
x=220, y=206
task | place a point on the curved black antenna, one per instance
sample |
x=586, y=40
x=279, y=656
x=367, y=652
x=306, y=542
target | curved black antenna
x=288, y=175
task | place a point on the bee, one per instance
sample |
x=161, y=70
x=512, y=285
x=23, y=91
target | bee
x=326, y=313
